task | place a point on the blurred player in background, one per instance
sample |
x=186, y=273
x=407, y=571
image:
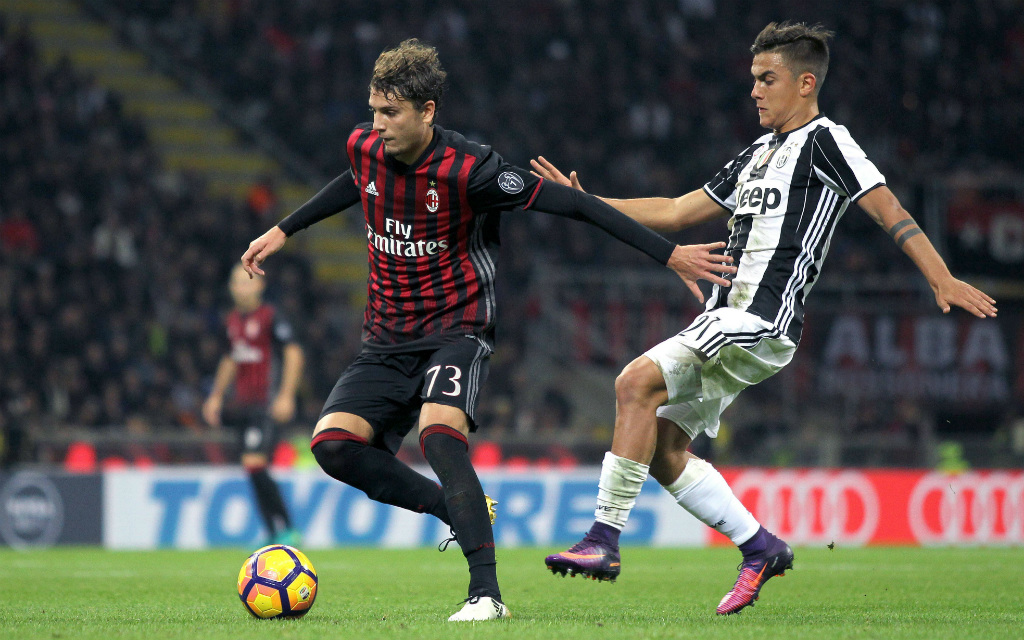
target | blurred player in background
x=262, y=369
x=785, y=194
x=432, y=202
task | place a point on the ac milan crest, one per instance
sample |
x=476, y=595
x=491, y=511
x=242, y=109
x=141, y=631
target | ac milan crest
x=433, y=200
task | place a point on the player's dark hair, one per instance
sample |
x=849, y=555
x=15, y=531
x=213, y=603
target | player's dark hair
x=411, y=71
x=804, y=48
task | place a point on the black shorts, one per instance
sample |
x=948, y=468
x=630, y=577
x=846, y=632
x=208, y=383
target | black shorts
x=257, y=433
x=388, y=389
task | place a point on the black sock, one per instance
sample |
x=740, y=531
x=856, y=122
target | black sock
x=447, y=451
x=268, y=499
x=381, y=476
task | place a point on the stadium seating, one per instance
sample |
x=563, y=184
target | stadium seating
x=126, y=196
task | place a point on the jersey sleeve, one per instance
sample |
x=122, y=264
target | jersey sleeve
x=340, y=194
x=842, y=165
x=283, y=330
x=722, y=188
x=565, y=201
x=495, y=184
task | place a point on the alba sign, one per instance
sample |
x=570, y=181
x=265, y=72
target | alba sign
x=949, y=359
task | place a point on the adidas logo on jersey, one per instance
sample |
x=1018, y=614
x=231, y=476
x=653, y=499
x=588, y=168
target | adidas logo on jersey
x=371, y=189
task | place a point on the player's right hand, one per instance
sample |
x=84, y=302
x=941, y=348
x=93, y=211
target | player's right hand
x=544, y=169
x=262, y=248
x=950, y=291
x=211, y=410
x=693, y=262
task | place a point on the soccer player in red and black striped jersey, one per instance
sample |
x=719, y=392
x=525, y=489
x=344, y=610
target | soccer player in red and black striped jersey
x=432, y=202
x=262, y=370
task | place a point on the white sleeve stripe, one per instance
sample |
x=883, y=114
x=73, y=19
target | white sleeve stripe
x=722, y=175
x=864, y=192
x=737, y=164
x=826, y=178
x=711, y=193
x=839, y=177
x=845, y=165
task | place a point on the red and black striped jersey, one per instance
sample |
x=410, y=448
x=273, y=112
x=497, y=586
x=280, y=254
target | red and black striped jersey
x=432, y=237
x=256, y=339
x=432, y=233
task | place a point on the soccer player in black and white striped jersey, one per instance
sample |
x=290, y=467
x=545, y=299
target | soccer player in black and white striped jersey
x=784, y=195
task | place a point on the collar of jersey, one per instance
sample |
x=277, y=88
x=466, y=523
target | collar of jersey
x=401, y=167
x=783, y=136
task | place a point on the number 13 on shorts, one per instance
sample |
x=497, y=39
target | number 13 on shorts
x=449, y=380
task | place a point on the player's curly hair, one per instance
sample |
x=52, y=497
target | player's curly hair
x=804, y=48
x=411, y=71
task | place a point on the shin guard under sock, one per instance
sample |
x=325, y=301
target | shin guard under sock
x=381, y=476
x=447, y=451
x=620, y=484
x=702, y=491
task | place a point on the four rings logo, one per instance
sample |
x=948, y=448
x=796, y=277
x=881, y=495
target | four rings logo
x=811, y=507
x=510, y=182
x=31, y=511
x=971, y=508
x=862, y=507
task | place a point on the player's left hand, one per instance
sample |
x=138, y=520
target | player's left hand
x=262, y=248
x=282, y=409
x=212, y=410
x=697, y=262
x=951, y=291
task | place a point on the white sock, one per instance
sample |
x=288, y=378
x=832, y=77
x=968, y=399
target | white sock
x=702, y=491
x=621, y=481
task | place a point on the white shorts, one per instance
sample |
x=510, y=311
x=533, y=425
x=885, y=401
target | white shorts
x=705, y=367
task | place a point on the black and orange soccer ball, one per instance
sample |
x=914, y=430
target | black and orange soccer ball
x=277, y=581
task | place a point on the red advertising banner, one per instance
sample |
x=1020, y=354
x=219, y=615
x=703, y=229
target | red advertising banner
x=855, y=507
x=986, y=237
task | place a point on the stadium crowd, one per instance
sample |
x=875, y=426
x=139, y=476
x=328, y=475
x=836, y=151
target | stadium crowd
x=113, y=273
x=112, y=270
x=642, y=98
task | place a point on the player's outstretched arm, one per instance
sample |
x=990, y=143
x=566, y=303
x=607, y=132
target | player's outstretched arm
x=226, y=371
x=339, y=194
x=691, y=263
x=661, y=214
x=885, y=209
x=282, y=409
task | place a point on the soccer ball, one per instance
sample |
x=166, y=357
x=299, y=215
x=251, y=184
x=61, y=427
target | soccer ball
x=277, y=582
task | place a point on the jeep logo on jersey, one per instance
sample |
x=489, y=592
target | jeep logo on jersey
x=757, y=199
x=510, y=182
x=433, y=200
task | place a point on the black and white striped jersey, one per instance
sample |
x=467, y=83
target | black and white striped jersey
x=786, y=193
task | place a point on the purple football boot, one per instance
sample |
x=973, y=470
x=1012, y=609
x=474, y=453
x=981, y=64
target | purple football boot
x=589, y=557
x=754, y=572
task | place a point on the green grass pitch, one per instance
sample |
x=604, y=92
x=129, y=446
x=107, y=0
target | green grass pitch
x=662, y=593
